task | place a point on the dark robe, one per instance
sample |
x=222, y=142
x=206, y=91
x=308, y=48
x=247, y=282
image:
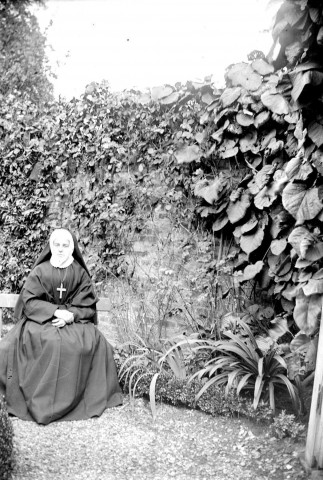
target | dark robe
x=49, y=373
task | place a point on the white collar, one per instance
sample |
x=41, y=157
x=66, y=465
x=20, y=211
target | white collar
x=65, y=264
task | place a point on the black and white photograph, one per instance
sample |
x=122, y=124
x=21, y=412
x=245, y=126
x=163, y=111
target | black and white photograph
x=161, y=239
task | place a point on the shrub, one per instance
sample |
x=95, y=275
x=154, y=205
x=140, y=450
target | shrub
x=6, y=442
x=180, y=392
x=238, y=364
x=286, y=426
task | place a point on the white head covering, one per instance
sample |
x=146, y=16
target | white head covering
x=62, y=235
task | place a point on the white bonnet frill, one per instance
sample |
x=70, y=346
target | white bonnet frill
x=61, y=235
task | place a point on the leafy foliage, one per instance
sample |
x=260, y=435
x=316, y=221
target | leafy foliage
x=24, y=69
x=23, y=200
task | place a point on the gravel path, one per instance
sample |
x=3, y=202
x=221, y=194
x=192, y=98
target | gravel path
x=125, y=443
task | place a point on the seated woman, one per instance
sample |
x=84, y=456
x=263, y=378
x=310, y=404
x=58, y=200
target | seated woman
x=55, y=364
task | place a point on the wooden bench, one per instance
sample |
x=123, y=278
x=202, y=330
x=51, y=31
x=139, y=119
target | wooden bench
x=9, y=300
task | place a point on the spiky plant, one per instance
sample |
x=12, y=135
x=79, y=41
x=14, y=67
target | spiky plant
x=237, y=363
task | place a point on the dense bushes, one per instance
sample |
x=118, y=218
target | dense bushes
x=180, y=392
x=6, y=442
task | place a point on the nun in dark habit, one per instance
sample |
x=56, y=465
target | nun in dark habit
x=54, y=363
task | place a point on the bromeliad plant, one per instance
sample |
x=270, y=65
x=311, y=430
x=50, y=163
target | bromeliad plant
x=238, y=364
x=146, y=358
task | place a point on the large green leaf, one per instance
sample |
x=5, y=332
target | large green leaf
x=244, y=75
x=230, y=95
x=212, y=192
x=292, y=117
x=318, y=275
x=307, y=312
x=317, y=160
x=188, y=154
x=293, y=51
x=220, y=222
x=266, y=197
x=262, y=118
x=250, y=272
x=251, y=242
x=300, y=343
x=315, y=14
x=225, y=112
x=278, y=246
x=319, y=37
x=266, y=137
x=264, y=343
x=292, y=167
x=262, y=67
x=280, y=327
x=291, y=13
x=250, y=225
x=274, y=146
x=291, y=145
x=245, y=119
x=315, y=132
x=306, y=245
x=281, y=221
x=301, y=202
x=314, y=252
x=302, y=78
x=279, y=265
x=229, y=152
x=208, y=98
x=157, y=93
x=248, y=141
x=235, y=128
x=300, y=237
x=275, y=102
x=313, y=287
x=264, y=176
x=311, y=355
x=170, y=99
x=287, y=306
x=301, y=263
x=227, y=148
x=237, y=209
x=218, y=134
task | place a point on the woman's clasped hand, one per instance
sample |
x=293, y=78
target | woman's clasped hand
x=62, y=318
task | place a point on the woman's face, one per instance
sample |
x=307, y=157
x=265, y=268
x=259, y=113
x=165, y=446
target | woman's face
x=61, y=249
x=61, y=246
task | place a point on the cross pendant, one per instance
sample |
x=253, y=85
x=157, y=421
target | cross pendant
x=61, y=290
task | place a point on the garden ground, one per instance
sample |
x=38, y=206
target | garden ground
x=125, y=443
